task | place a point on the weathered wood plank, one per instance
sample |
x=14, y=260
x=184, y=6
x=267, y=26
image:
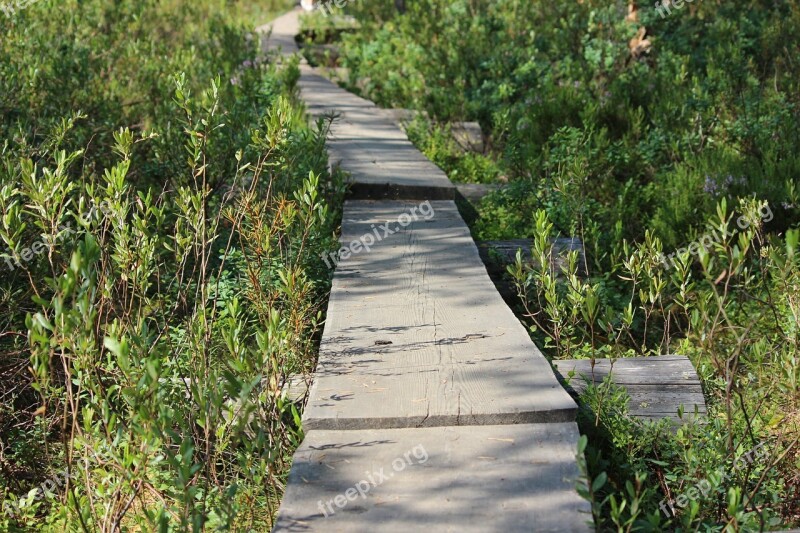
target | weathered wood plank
x=457, y=479
x=278, y=35
x=468, y=136
x=497, y=254
x=295, y=388
x=475, y=192
x=399, y=116
x=657, y=386
x=417, y=335
x=382, y=162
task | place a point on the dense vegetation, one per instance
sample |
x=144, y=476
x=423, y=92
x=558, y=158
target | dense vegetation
x=163, y=207
x=669, y=146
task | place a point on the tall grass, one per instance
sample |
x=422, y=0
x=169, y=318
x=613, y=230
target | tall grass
x=163, y=206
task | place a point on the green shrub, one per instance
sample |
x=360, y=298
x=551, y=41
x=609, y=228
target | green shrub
x=163, y=207
x=438, y=144
x=731, y=307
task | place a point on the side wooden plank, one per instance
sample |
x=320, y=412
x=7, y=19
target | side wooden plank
x=657, y=386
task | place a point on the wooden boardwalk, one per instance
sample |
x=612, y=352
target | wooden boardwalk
x=430, y=407
x=462, y=478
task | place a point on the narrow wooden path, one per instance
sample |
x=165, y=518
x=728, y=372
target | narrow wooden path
x=430, y=407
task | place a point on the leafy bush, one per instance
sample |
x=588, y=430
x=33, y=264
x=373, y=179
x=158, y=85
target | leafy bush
x=437, y=143
x=163, y=207
x=732, y=307
x=715, y=96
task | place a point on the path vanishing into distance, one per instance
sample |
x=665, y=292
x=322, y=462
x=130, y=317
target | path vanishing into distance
x=430, y=406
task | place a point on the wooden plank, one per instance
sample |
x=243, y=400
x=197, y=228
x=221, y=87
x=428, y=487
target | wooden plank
x=475, y=192
x=468, y=136
x=364, y=141
x=657, y=386
x=278, y=35
x=457, y=479
x=371, y=147
x=498, y=254
x=658, y=371
x=400, y=116
x=323, y=96
x=417, y=335
x=295, y=388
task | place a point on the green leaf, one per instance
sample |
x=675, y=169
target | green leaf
x=599, y=482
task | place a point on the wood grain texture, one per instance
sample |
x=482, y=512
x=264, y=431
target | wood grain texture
x=475, y=192
x=657, y=386
x=417, y=334
x=498, y=254
x=473, y=479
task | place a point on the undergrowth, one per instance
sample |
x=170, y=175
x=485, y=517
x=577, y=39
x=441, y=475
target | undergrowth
x=163, y=208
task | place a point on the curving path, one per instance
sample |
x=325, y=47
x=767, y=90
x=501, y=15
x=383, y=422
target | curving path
x=430, y=407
